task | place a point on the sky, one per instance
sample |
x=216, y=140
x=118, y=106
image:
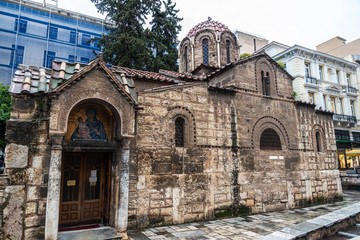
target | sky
x=302, y=22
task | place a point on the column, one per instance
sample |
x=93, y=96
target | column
x=192, y=57
x=53, y=195
x=122, y=214
x=218, y=52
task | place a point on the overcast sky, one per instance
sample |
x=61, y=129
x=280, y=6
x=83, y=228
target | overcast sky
x=303, y=22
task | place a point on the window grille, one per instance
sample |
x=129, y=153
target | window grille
x=205, y=44
x=228, y=51
x=270, y=140
x=185, y=59
x=318, y=141
x=179, y=132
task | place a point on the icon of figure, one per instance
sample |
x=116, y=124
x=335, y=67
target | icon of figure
x=92, y=128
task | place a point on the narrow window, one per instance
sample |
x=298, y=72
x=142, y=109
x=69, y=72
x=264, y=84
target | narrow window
x=52, y=32
x=307, y=70
x=321, y=72
x=348, y=80
x=227, y=51
x=186, y=59
x=71, y=58
x=254, y=45
x=352, y=108
x=338, y=76
x=265, y=82
x=270, y=140
x=205, y=44
x=84, y=60
x=22, y=26
x=73, y=37
x=17, y=52
x=318, y=141
x=48, y=58
x=311, y=97
x=85, y=39
x=179, y=132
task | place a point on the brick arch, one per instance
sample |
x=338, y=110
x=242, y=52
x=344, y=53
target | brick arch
x=185, y=43
x=273, y=123
x=262, y=64
x=198, y=48
x=190, y=138
x=59, y=123
x=224, y=36
x=320, y=129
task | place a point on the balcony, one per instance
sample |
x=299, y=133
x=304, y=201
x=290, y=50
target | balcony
x=344, y=120
x=312, y=80
x=351, y=89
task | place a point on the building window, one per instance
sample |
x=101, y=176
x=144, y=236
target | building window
x=71, y=58
x=318, y=141
x=48, y=58
x=324, y=99
x=338, y=76
x=348, y=79
x=341, y=106
x=228, y=51
x=311, y=97
x=352, y=108
x=333, y=104
x=22, y=25
x=73, y=37
x=186, y=59
x=341, y=135
x=52, y=32
x=254, y=45
x=270, y=140
x=85, y=39
x=321, y=74
x=205, y=45
x=356, y=136
x=265, y=82
x=307, y=70
x=18, y=52
x=179, y=132
x=84, y=60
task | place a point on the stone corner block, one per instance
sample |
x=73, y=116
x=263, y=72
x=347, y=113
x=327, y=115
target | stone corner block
x=16, y=156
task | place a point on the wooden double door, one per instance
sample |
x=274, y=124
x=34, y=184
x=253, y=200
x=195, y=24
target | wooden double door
x=84, y=189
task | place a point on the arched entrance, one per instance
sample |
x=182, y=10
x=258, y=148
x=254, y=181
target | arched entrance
x=88, y=152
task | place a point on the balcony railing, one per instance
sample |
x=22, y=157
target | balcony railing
x=344, y=118
x=312, y=80
x=351, y=89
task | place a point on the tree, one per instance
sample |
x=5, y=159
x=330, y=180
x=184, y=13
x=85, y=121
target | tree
x=129, y=44
x=164, y=30
x=245, y=55
x=5, y=109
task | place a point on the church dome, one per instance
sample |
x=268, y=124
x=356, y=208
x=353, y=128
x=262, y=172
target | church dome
x=218, y=27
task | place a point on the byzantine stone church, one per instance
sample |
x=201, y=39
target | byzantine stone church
x=120, y=147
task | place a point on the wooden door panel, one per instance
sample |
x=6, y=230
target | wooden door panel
x=82, y=187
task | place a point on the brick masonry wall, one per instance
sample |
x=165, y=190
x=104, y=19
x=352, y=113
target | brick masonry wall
x=222, y=166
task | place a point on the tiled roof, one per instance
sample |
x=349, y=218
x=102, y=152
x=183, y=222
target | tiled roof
x=208, y=24
x=31, y=79
x=144, y=74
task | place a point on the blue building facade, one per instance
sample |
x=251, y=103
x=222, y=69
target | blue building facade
x=33, y=34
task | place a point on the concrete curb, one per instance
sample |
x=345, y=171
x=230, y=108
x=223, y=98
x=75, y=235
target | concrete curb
x=320, y=226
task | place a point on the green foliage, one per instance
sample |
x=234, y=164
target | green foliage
x=281, y=64
x=5, y=103
x=5, y=109
x=245, y=55
x=294, y=94
x=129, y=44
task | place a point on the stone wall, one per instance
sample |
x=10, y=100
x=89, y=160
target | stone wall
x=27, y=164
x=222, y=170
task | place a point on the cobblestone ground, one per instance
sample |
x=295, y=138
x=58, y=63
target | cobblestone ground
x=250, y=227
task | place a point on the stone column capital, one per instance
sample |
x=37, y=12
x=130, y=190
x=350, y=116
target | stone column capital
x=125, y=141
x=56, y=140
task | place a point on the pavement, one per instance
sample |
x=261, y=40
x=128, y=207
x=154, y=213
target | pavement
x=255, y=226
x=280, y=225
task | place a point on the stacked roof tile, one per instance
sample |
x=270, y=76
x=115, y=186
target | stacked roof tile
x=208, y=24
x=144, y=74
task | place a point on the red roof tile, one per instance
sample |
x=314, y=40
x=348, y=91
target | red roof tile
x=145, y=74
x=208, y=24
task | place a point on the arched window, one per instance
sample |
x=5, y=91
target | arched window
x=205, y=45
x=227, y=51
x=318, y=141
x=270, y=140
x=265, y=81
x=179, y=132
x=186, y=59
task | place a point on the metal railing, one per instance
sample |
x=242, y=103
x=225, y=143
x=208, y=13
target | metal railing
x=312, y=80
x=344, y=118
x=351, y=89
